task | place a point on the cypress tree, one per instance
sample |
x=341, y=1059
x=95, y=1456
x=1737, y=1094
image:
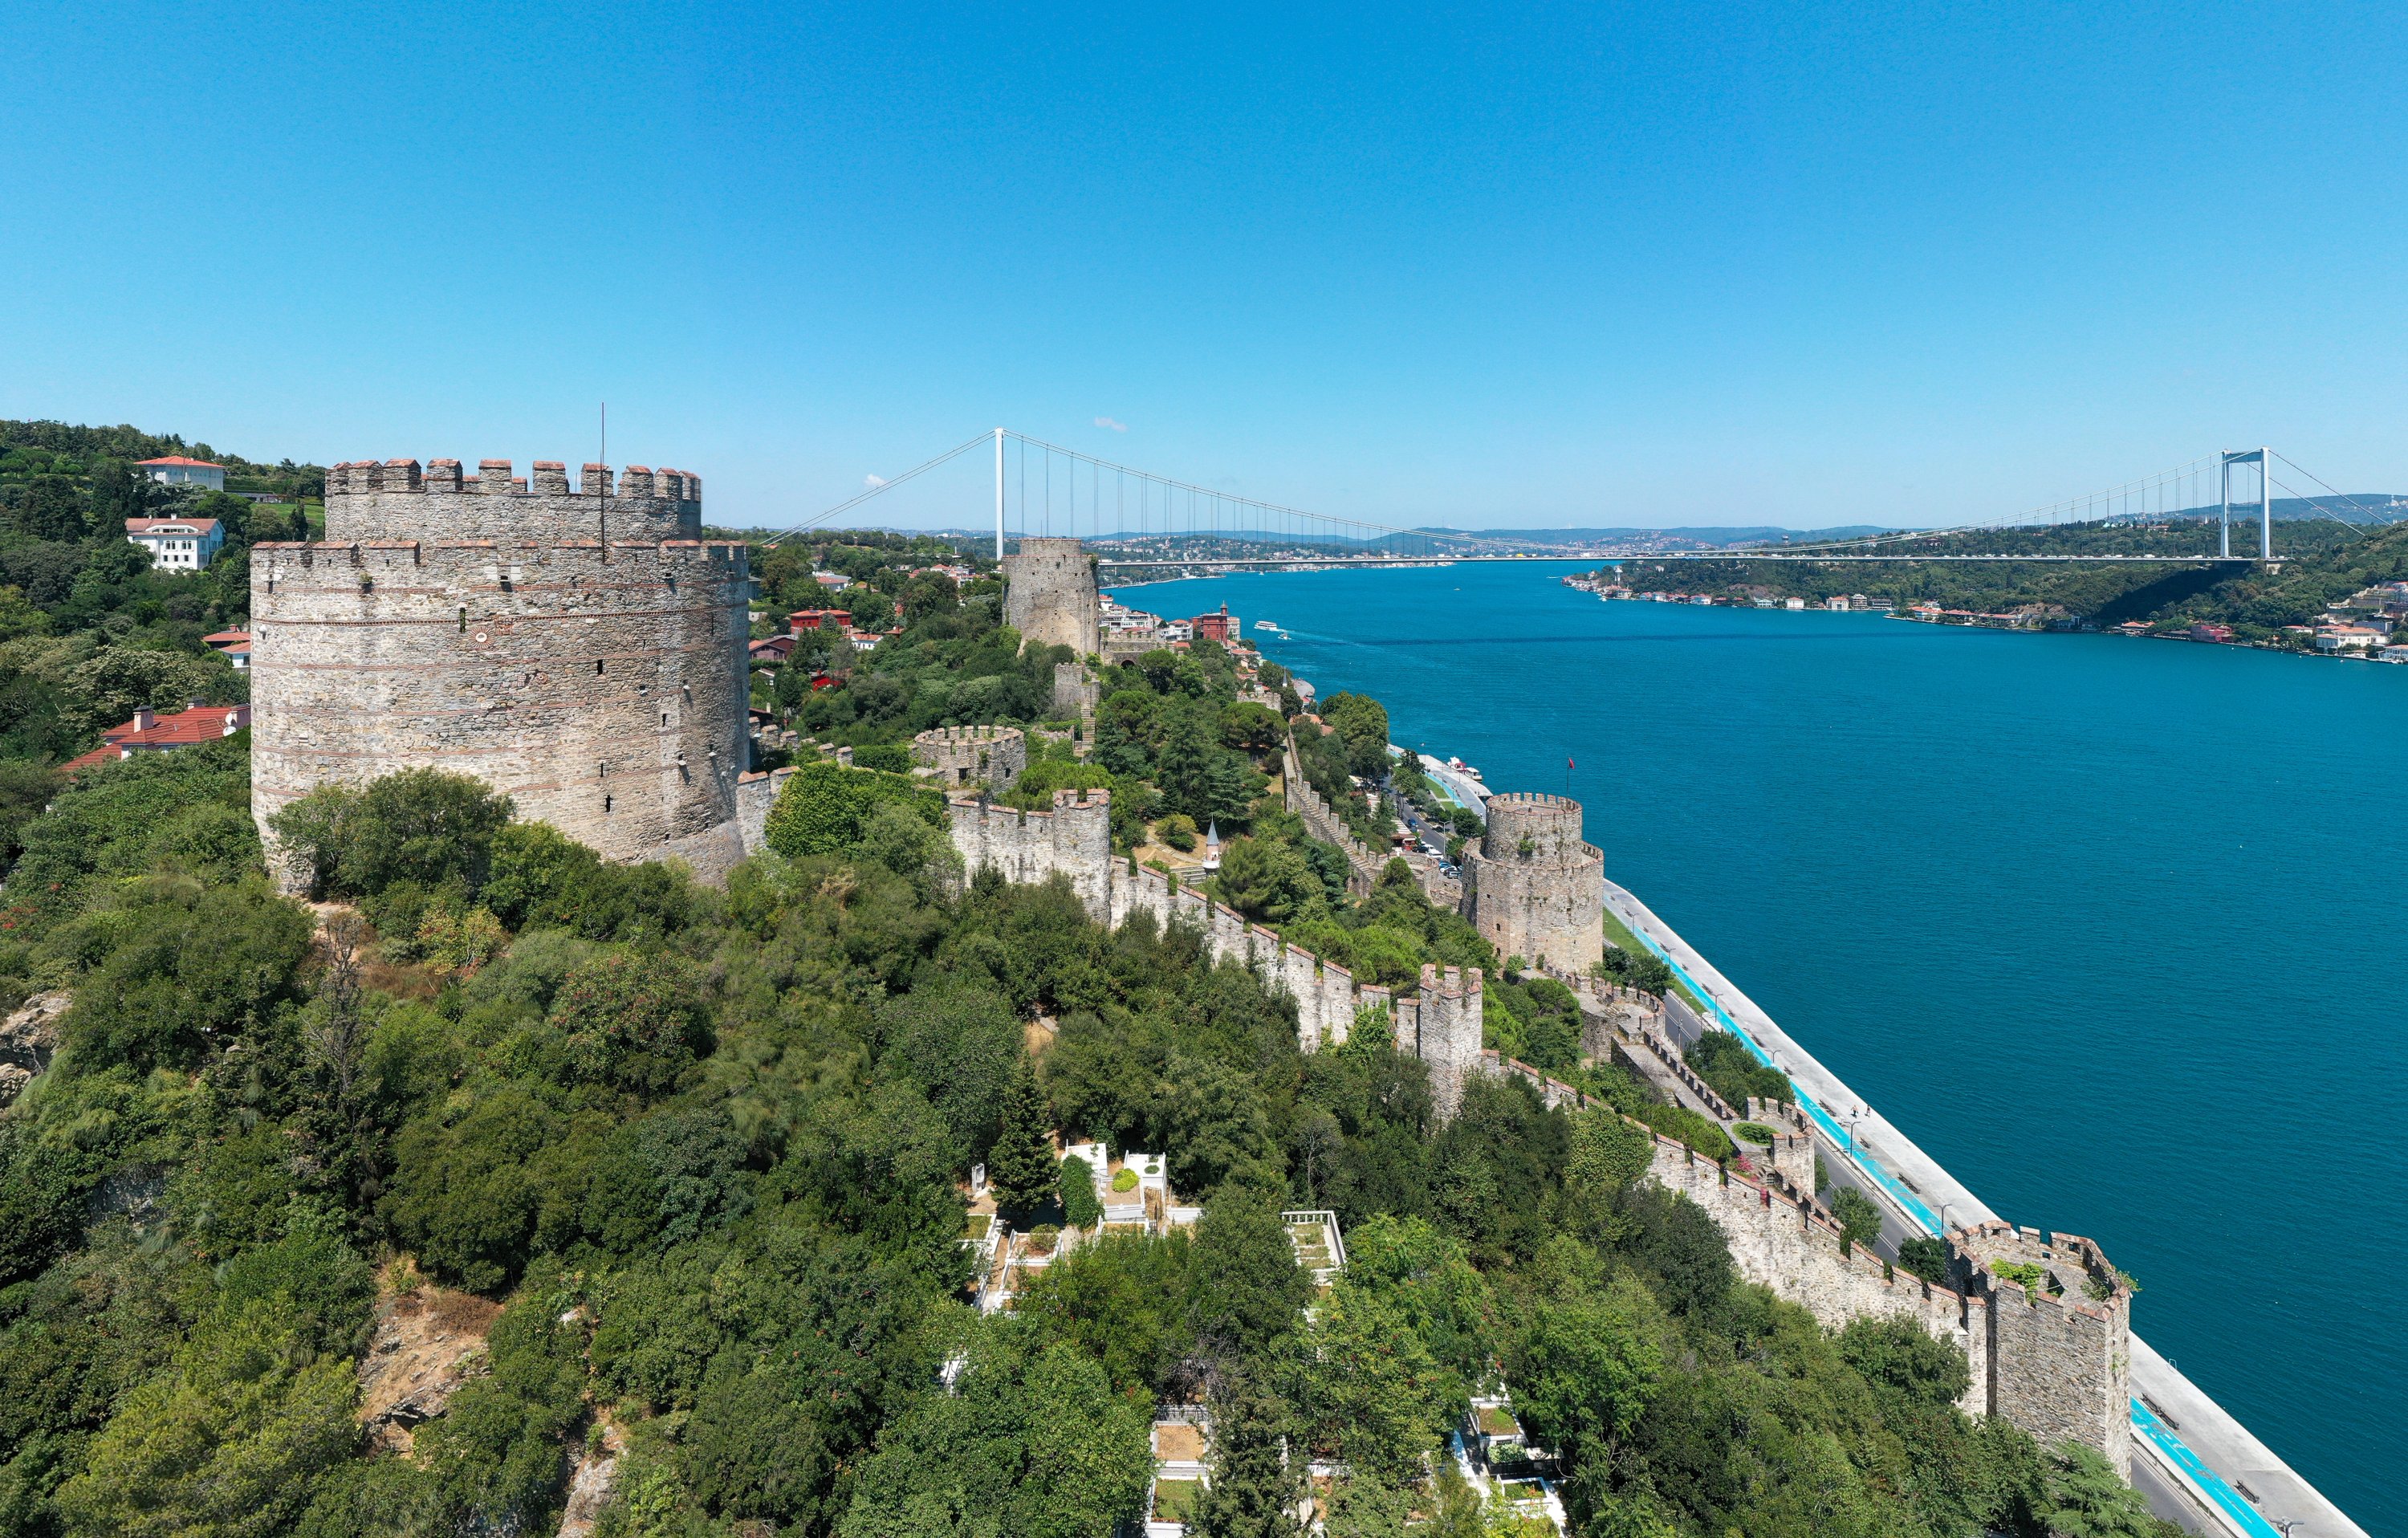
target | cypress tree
x=1020, y=1167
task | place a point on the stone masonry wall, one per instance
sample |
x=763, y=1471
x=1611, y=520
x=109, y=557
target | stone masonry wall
x=964, y=755
x=1074, y=840
x=397, y=500
x=602, y=690
x=2061, y=1363
x=1535, y=889
x=1050, y=597
x=1784, y=1244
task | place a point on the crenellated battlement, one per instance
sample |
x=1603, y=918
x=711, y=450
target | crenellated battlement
x=549, y=478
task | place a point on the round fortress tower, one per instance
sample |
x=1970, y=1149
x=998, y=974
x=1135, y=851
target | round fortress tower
x=1536, y=888
x=581, y=650
x=1050, y=595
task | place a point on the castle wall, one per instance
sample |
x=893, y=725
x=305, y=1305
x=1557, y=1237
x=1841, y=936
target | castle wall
x=1075, y=692
x=1535, y=889
x=1783, y=1243
x=1050, y=597
x=756, y=796
x=1074, y=840
x=962, y=755
x=601, y=689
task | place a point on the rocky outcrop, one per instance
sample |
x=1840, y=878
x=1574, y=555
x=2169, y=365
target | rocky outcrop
x=428, y=1341
x=27, y=1040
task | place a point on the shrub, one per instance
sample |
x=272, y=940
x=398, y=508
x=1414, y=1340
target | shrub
x=1079, y=1204
x=1859, y=1217
x=1753, y=1131
x=1178, y=830
x=636, y=1022
x=1042, y=1238
x=887, y=757
x=1124, y=1179
x=1925, y=1256
x=822, y=810
x=1722, y=1061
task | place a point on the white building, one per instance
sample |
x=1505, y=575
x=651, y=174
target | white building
x=177, y=544
x=176, y=470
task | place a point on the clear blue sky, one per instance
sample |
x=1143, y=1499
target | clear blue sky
x=1578, y=264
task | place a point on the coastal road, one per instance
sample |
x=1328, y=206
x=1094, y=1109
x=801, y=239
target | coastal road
x=2228, y=1481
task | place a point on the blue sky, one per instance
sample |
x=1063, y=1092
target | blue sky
x=1497, y=267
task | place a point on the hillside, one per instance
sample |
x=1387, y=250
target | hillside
x=505, y=1190
x=2320, y=564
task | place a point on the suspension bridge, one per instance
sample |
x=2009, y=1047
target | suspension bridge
x=1140, y=520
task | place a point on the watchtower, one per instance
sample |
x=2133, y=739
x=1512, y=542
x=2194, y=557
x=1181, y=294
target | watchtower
x=1533, y=886
x=2062, y=1334
x=580, y=649
x=966, y=755
x=1048, y=594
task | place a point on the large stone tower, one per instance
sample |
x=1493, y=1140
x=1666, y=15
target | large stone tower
x=2060, y=1359
x=1048, y=594
x=1533, y=886
x=582, y=650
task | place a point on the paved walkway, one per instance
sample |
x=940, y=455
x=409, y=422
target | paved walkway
x=2176, y=1426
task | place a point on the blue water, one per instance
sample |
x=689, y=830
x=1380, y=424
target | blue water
x=2113, y=929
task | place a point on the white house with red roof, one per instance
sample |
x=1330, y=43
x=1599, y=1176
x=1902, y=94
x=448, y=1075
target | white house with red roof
x=150, y=732
x=177, y=544
x=177, y=470
x=233, y=645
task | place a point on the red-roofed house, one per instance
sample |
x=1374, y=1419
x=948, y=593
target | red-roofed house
x=771, y=652
x=177, y=544
x=150, y=732
x=817, y=619
x=177, y=470
x=233, y=645
x=1223, y=626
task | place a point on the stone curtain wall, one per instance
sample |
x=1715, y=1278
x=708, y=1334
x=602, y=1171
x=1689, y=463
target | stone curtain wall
x=1362, y=865
x=1545, y=904
x=962, y=756
x=605, y=696
x=1075, y=692
x=1441, y=1027
x=1050, y=595
x=1783, y=1244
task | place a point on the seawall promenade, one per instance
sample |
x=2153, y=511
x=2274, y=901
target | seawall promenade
x=2195, y=1460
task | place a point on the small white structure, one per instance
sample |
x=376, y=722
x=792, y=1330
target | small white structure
x=177, y=544
x=1211, y=845
x=177, y=470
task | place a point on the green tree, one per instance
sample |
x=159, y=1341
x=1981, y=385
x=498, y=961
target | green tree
x=635, y=1022
x=1122, y=1300
x=227, y=1445
x=2081, y=1497
x=418, y=825
x=824, y=806
x=1080, y=1208
x=1020, y=1168
x=1257, y=1488
x=1859, y=1219
x=1608, y=1153
x=1246, y=1289
x=1376, y=1393
x=199, y=970
x=1268, y=881
x=1583, y=1364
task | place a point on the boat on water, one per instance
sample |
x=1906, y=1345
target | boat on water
x=1267, y=624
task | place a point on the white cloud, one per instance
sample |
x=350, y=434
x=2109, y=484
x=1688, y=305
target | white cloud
x=1116, y=426
x=872, y=482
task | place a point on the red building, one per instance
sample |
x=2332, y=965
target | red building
x=817, y=619
x=148, y=732
x=1223, y=626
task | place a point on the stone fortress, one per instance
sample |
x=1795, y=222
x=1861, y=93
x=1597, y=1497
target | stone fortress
x=2049, y=1346
x=1050, y=595
x=582, y=650
x=1533, y=886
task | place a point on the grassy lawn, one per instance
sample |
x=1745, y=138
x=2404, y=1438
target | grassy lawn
x=1174, y=1499
x=1618, y=935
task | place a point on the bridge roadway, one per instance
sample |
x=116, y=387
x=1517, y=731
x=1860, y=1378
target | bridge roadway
x=1320, y=561
x=2190, y=1456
